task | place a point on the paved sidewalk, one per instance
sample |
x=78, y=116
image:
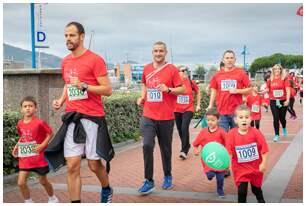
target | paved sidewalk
x=283, y=180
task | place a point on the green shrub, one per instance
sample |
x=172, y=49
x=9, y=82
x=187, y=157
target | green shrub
x=122, y=116
x=10, y=138
x=204, y=103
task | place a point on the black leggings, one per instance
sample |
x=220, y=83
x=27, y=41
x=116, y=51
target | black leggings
x=279, y=115
x=182, y=121
x=290, y=107
x=255, y=123
x=243, y=192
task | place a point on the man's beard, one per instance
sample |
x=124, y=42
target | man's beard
x=73, y=47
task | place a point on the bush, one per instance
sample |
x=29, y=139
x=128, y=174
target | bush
x=204, y=103
x=10, y=138
x=122, y=116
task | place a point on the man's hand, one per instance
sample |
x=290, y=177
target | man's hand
x=262, y=167
x=162, y=87
x=140, y=101
x=198, y=108
x=286, y=103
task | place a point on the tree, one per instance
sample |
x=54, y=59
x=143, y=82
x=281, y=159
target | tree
x=287, y=61
x=200, y=72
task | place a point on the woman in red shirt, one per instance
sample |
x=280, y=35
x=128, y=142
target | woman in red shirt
x=184, y=109
x=279, y=93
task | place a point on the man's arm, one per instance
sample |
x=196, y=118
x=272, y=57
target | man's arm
x=175, y=90
x=104, y=88
x=141, y=100
x=58, y=103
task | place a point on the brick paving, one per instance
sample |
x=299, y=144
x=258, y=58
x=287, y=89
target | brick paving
x=188, y=178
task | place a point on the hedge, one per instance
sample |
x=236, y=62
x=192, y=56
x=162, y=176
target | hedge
x=10, y=138
x=122, y=116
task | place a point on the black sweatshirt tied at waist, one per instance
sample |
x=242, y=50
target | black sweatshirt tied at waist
x=55, y=150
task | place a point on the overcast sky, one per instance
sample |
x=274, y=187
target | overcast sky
x=197, y=33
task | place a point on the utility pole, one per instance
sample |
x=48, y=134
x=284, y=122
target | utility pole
x=33, y=35
x=91, y=36
x=244, y=53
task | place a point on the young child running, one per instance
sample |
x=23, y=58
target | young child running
x=249, y=153
x=34, y=136
x=254, y=102
x=212, y=133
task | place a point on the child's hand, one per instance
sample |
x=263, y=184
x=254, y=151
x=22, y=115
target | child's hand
x=15, y=152
x=262, y=167
x=38, y=148
x=195, y=151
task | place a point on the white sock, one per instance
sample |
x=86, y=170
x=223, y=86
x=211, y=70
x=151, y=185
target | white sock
x=52, y=197
x=28, y=200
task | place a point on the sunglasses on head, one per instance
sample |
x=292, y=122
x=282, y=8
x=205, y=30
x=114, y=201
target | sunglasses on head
x=183, y=70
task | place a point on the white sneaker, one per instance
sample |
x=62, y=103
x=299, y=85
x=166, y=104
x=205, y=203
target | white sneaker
x=29, y=201
x=183, y=156
x=53, y=199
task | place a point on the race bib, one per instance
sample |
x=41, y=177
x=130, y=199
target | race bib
x=154, y=95
x=182, y=99
x=247, y=153
x=255, y=108
x=228, y=84
x=278, y=93
x=25, y=149
x=75, y=94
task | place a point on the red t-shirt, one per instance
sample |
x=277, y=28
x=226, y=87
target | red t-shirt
x=160, y=105
x=185, y=102
x=254, y=103
x=248, y=149
x=36, y=130
x=88, y=67
x=292, y=92
x=222, y=81
x=204, y=137
x=277, y=88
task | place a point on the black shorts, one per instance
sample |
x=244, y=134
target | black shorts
x=42, y=171
x=301, y=93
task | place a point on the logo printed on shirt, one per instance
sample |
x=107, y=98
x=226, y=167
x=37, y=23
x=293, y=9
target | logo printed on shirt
x=228, y=84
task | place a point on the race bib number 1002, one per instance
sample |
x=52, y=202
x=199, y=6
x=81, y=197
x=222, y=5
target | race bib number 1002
x=25, y=149
x=75, y=94
x=228, y=84
x=154, y=95
x=247, y=153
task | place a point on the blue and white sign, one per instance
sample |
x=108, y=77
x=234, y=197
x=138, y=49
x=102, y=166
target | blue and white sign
x=40, y=29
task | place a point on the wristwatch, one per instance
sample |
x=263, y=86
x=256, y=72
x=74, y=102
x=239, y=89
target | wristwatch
x=169, y=90
x=84, y=86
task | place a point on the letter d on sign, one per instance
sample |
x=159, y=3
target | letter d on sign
x=41, y=36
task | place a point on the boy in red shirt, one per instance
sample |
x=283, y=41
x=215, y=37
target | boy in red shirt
x=249, y=153
x=212, y=133
x=35, y=135
x=254, y=102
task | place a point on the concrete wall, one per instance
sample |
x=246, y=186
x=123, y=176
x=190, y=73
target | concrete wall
x=43, y=84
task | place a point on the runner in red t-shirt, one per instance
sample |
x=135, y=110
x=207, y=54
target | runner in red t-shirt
x=293, y=90
x=212, y=133
x=279, y=92
x=161, y=84
x=86, y=80
x=184, y=109
x=34, y=136
x=249, y=153
x=227, y=87
x=254, y=101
